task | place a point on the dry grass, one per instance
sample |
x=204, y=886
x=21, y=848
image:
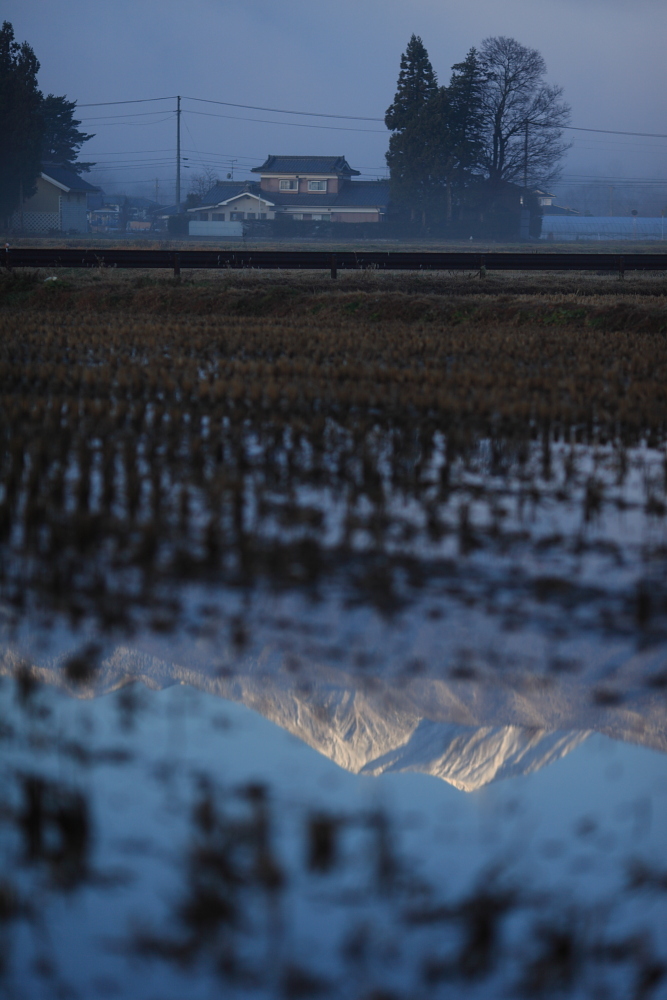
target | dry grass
x=160, y=241
x=159, y=432
x=25, y=288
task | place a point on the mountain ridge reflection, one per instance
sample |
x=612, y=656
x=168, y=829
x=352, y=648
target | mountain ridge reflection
x=466, y=732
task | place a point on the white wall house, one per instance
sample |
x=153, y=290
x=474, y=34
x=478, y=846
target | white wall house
x=237, y=208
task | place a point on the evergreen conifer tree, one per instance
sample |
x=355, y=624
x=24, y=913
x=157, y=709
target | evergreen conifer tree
x=20, y=121
x=410, y=158
x=456, y=126
x=61, y=138
x=417, y=83
x=466, y=114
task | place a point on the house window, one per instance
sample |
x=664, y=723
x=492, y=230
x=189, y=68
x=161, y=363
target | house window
x=203, y=216
x=236, y=216
x=250, y=215
x=306, y=217
x=218, y=216
x=319, y=218
x=262, y=215
x=298, y=216
x=288, y=185
x=317, y=185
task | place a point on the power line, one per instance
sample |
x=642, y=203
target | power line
x=157, y=121
x=610, y=131
x=138, y=100
x=135, y=165
x=136, y=114
x=324, y=114
x=282, y=111
x=127, y=152
x=264, y=121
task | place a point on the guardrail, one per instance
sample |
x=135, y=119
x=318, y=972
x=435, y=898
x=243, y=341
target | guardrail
x=343, y=260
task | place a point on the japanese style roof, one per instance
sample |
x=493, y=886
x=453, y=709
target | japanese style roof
x=224, y=190
x=306, y=165
x=65, y=178
x=364, y=193
x=352, y=194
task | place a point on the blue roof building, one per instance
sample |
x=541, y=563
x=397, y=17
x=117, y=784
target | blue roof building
x=584, y=228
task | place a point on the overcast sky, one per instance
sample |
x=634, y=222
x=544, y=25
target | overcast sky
x=340, y=57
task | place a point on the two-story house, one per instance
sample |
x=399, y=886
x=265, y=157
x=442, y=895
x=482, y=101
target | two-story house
x=305, y=188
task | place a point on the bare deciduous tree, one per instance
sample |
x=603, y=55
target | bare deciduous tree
x=201, y=183
x=524, y=116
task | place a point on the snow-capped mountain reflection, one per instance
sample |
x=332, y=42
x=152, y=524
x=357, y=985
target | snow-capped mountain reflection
x=466, y=732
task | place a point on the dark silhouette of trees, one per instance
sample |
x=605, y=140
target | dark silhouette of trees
x=437, y=141
x=20, y=121
x=456, y=120
x=33, y=129
x=61, y=138
x=496, y=123
x=201, y=183
x=417, y=83
x=410, y=155
x=524, y=117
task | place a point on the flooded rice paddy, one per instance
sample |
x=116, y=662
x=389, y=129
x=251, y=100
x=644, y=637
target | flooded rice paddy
x=334, y=640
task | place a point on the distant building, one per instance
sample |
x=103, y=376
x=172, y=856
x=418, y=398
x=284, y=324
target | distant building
x=558, y=210
x=304, y=188
x=121, y=213
x=58, y=206
x=544, y=198
x=587, y=228
x=163, y=213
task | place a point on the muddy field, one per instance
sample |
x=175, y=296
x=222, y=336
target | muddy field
x=276, y=429
x=417, y=521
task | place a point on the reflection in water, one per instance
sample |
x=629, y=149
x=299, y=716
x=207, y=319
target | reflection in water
x=466, y=732
x=421, y=534
x=195, y=848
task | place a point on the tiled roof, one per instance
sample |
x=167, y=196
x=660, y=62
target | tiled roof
x=130, y=201
x=364, y=193
x=67, y=178
x=162, y=211
x=351, y=194
x=282, y=198
x=306, y=165
x=227, y=189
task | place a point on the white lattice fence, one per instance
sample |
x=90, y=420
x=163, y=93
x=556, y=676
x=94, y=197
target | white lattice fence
x=36, y=222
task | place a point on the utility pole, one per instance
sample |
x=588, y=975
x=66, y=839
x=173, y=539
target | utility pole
x=525, y=155
x=178, y=154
